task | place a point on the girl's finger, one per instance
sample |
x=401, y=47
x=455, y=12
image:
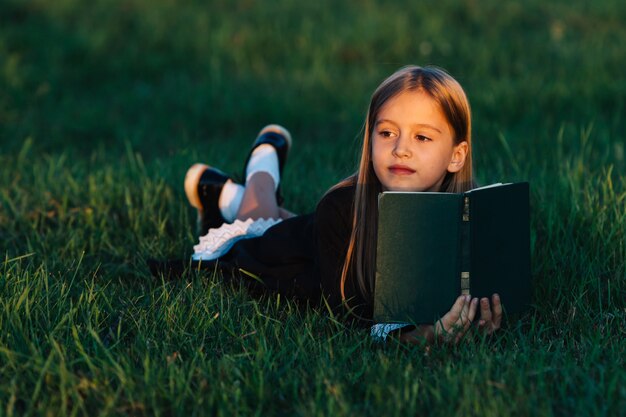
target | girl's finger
x=470, y=313
x=467, y=315
x=457, y=309
x=445, y=326
x=465, y=311
x=485, y=311
x=473, y=309
x=497, y=310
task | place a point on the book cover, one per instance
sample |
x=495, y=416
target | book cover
x=432, y=247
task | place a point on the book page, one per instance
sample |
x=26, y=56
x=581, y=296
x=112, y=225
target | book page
x=497, y=184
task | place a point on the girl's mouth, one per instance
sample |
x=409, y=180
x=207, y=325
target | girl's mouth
x=401, y=170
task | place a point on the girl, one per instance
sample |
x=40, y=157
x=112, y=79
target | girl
x=417, y=137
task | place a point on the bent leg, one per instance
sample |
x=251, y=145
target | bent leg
x=259, y=198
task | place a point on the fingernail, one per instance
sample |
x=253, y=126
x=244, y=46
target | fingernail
x=468, y=297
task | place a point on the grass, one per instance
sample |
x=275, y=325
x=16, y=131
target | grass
x=105, y=104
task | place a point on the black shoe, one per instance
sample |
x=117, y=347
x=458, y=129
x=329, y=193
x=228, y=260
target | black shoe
x=280, y=139
x=203, y=186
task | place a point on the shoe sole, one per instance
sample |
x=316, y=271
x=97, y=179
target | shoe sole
x=280, y=130
x=192, y=179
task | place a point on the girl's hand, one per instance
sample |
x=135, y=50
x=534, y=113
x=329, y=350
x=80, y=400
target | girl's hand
x=453, y=325
x=450, y=328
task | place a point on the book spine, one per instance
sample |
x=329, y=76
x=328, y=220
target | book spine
x=465, y=247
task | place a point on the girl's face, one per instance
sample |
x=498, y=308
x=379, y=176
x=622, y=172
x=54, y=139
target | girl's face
x=412, y=144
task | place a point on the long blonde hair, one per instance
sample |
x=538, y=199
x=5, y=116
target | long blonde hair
x=360, y=262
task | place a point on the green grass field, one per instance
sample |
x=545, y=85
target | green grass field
x=104, y=105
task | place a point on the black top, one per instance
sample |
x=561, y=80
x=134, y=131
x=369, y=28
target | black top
x=333, y=226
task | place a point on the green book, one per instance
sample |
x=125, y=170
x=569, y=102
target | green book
x=433, y=247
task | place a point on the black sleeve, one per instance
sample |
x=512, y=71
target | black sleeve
x=333, y=225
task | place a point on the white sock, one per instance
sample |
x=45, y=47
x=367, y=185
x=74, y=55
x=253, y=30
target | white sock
x=264, y=159
x=230, y=200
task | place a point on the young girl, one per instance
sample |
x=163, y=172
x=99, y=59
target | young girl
x=417, y=137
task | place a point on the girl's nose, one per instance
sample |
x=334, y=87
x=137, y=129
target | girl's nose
x=402, y=148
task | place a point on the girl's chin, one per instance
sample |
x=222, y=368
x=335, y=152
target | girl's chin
x=407, y=186
x=401, y=188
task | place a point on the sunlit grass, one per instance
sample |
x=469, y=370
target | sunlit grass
x=104, y=105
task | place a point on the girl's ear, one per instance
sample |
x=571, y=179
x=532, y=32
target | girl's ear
x=459, y=153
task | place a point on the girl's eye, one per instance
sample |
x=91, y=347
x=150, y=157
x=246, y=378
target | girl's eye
x=422, y=138
x=385, y=133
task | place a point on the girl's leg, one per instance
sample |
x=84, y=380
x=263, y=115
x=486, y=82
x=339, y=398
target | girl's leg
x=259, y=199
x=263, y=170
